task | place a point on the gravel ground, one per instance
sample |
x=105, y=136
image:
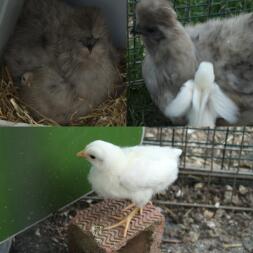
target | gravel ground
x=193, y=230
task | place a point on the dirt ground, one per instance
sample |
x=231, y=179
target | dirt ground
x=195, y=230
x=187, y=230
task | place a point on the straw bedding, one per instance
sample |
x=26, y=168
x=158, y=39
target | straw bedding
x=110, y=113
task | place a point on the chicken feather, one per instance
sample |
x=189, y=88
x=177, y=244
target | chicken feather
x=63, y=49
x=174, y=52
x=202, y=100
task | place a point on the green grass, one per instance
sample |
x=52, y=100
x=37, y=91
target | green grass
x=141, y=110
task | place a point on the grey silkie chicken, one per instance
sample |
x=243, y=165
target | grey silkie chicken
x=32, y=44
x=173, y=54
x=50, y=96
x=75, y=42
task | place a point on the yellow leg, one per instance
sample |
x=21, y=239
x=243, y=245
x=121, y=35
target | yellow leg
x=117, y=218
x=125, y=222
x=141, y=209
x=123, y=210
x=129, y=207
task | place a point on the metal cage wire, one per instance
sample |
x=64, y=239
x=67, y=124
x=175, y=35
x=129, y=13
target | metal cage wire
x=220, y=156
x=141, y=110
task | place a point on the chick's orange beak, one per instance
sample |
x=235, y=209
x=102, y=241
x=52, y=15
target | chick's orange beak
x=82, y=154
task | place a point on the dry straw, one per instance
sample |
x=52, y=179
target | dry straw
x=111, y=113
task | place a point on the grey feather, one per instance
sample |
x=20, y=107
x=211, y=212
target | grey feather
x=74, y=46
x=173, y=56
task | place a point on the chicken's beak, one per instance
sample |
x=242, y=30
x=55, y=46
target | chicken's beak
x=82, y=154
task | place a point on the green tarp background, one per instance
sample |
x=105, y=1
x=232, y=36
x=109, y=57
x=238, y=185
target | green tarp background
x=39, y=172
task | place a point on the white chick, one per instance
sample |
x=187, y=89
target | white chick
x=134, y=173
x=202, y=100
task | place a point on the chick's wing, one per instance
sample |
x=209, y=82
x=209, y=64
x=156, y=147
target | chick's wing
x=150, y=168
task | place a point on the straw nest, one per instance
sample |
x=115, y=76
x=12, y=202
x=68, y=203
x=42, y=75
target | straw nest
x=111, y=113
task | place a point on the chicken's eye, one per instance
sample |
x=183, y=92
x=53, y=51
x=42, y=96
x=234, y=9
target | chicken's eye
x=154, y=33
x=92, y=157
x=151, y=30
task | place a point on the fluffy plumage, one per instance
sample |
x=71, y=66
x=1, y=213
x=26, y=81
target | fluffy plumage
x=49, y=95
x=202, y=100
x=134, y=173
x=33, y=41
x=76, y=43
x=173, y=54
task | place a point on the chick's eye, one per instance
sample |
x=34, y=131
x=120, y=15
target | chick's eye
x=92, y=157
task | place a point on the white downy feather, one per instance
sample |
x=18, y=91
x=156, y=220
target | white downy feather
x=210, y=102
x=201, y=115
x=224, y=106
x=182, y=103
x=135, y=173
x=202, y=101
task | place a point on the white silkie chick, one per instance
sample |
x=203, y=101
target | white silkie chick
x=202, y=100
x=134, y=173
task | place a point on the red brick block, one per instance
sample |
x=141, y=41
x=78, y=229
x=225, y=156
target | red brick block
x=87, y=233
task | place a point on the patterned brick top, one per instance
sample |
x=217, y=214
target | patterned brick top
x=94, y=219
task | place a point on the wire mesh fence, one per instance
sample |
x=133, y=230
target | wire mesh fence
x=141, y=110
x=216, y=167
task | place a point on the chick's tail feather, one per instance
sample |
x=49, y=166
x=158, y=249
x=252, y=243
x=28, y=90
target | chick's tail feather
x=178, y=152
x=174, y=152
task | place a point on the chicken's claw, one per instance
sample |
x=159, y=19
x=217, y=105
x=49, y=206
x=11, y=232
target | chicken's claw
x=126, y=221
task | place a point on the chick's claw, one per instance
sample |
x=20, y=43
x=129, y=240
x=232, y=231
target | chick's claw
x=126, y=221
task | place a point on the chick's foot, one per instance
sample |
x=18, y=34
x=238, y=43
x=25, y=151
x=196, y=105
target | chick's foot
x=126, y=221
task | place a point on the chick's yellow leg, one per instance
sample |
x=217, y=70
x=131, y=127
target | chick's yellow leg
x=123, y=210
x=126, y=221
x=126, y=209
x=129, y=207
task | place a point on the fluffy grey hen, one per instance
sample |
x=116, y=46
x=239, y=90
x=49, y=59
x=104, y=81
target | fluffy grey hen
x=174, y=53
x=50, y=96
x=76, y=42
x=33, y=41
